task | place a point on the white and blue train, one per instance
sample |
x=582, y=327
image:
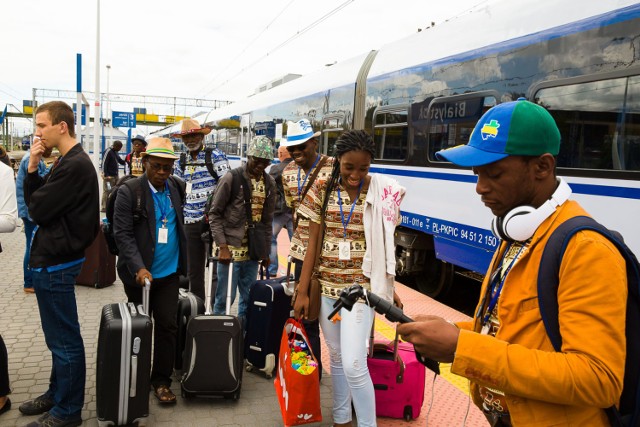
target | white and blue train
x=425, y=93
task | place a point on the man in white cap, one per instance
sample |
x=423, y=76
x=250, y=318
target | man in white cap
x=201, y=169
x=154, y=248
x=230, y=224
x=297, y=178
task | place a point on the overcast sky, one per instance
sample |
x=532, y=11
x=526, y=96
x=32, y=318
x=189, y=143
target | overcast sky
x=194, y=48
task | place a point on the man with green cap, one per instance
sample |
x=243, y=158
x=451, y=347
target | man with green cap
x=517, y=376
x=232, y=228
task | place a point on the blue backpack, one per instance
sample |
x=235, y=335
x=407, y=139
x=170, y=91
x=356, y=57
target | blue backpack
x=548, y=277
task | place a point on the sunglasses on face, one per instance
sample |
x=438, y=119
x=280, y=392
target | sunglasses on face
x=300, y=147
x=161, y=167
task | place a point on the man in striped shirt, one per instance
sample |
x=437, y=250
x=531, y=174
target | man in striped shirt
x=200, y=168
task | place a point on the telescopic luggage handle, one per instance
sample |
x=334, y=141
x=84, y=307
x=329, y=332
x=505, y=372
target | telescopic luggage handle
x=146, y=289
x=350, y=295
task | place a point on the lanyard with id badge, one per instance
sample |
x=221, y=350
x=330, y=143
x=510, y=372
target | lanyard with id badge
x=494, y=289
x=344, y=247
x=164, y=204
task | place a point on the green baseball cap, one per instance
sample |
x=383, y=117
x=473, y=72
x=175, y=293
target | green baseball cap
x=518, y=128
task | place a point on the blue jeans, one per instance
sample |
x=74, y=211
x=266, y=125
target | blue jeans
x=245, y=274
x=279, y=222
x=59, y=317
x=28, y=233
x=348, y=341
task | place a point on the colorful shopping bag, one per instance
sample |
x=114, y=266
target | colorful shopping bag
x=297, y=382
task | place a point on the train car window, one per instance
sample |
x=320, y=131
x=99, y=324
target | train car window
x=445, y=122
x=390, y=132
x=599, y=123
x=332, y=127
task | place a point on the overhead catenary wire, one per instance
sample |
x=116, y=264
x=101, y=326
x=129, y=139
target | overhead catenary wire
x=284, y=43
x=213, y=79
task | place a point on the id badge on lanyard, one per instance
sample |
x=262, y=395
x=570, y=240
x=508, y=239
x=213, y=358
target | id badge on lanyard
x=344, y=250
x=163, y=235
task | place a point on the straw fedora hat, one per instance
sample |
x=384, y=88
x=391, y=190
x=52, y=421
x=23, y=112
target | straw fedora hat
x=160, y=147
x=298, y=133
x=189, y=127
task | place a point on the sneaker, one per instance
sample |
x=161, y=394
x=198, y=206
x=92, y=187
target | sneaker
x=29, y=290
x=37, y=406
x=48, y=420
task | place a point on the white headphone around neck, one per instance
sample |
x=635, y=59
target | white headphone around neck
x=521, y=222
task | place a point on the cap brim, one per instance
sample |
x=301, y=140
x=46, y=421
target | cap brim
x=288, y=143
x=468, y=156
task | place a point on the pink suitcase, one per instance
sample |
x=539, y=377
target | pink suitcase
x=398, y=378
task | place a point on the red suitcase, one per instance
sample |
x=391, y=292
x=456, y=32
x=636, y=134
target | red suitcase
x=398, y=379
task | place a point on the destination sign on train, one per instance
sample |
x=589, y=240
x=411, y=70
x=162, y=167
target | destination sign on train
x=448, y=112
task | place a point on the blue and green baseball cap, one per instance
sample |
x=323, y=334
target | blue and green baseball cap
x=518, y=128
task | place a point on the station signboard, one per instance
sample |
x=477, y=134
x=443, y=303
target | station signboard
x=122, y=119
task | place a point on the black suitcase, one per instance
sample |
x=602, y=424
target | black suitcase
x=189, y=305
x=269, y=308
x=124, y=363
x=213, y=359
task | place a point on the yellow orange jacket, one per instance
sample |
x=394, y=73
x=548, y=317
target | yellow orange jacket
x=543, y=387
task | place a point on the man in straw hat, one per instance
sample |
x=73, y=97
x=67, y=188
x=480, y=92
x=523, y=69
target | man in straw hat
x=64, y=204
x=201, y=169
x=154, y=248
x=229, y=223
x=297, y=178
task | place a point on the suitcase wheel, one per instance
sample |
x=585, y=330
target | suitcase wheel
x=186, y=394
x=249, y=367
x=408, y=413
x=233, y=396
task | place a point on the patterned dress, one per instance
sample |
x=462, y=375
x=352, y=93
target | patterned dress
x=336, y=274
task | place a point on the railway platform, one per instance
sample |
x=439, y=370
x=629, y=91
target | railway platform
x=30, y=363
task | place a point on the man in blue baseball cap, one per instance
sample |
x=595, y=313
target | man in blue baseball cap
x=517, y=377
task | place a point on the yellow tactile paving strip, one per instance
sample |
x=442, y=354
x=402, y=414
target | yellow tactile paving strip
x=450, y=405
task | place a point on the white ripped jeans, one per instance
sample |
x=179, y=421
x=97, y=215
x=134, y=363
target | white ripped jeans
x=347, y=341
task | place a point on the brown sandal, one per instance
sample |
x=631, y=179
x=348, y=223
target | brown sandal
x=165, y=395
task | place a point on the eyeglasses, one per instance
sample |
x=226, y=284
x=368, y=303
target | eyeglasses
x=161, y=167
x=299, y=147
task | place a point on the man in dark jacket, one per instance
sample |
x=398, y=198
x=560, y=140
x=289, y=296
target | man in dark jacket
x=152, y=246
x=64, y=206
x=228, y=221
x=110, y=170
